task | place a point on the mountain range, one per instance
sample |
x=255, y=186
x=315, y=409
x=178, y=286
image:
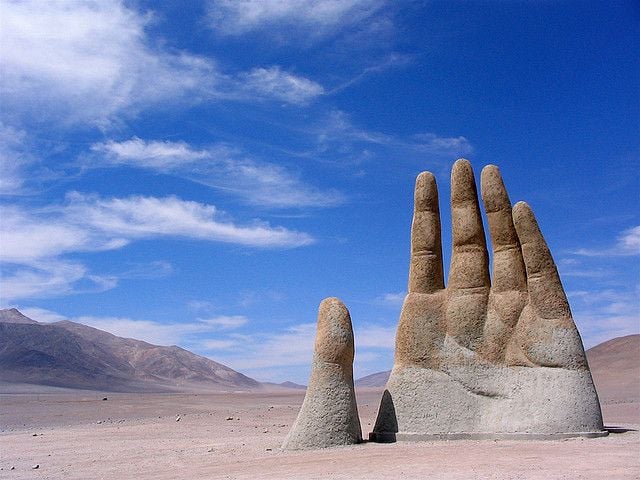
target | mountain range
x=72, y=355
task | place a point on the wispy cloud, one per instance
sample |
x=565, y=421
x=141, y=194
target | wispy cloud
x=627, y=244
x=392, y=299
x=47, y=278
x=222, y=167
x=225, y=322
x=13, y=159
x=606, y=313
x=159, y=333
x=89, y=61
x=35, y=243
x=391, y=60
x=339, y=133
x=274, y=83
x=317, y=17
x=261, y=354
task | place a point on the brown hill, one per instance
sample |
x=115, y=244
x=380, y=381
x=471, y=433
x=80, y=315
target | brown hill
x=68, y=354
x=615, y=366
x=374, y=380
x=12, y=315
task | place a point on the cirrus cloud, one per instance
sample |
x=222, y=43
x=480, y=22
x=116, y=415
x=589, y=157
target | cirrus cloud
x=94, y=62
x=36, y=244
x=220, y=166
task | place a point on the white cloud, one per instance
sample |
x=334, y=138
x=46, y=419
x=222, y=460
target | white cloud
x=605, y=314
x=221, y=167
x=375, y=336
x=219, y=344
x=124, y=219
x=627, y=244
x=93, y=61
x=629, y=240
x=49, y=278
x=13, y=159
x=274, y=83
x=158, y=333
x=42, y=315
x=318, y=17
x=291, y=350
x=292, y=347
x=225, y=322
x=34, y=243
x=392, y=299
x=159, y=155
x=338, y=132
x=432, y=143
x=89, y=61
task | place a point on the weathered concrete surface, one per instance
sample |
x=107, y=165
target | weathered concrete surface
x=329, y=414
x=485, y=355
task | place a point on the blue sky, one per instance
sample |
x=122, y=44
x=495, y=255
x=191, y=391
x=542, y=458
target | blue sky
x=204, y=175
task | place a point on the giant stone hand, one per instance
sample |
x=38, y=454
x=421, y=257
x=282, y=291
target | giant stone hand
x=484, y=356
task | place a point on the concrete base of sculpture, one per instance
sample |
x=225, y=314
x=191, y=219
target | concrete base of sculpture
x=488, y=402
x=417, y=437
x=329, y=414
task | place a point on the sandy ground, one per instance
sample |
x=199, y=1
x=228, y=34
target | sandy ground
x=237, y=436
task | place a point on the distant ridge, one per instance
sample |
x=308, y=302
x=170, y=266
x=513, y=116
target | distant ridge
x=615, y=367
x=13, y=315
x=72, y=355
x=374, y=380
x=291, y=385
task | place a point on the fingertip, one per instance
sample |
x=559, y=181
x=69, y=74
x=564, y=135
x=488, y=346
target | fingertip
x=491, y=166
x=521, y=210
x=332, y=301
x=426, y=192
x=425, y=176
x=461, y=161
x=489, y=172
x=463, y=187
x=526, y=224
x=494, y=193
x=334, y=336
x=333, y=307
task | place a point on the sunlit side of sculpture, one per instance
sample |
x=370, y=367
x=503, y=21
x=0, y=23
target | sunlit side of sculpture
x=486, y=355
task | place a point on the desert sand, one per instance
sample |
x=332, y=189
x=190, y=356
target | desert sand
x=78, y=435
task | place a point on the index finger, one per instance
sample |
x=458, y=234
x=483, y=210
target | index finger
x=545, y=288
x=425, y=270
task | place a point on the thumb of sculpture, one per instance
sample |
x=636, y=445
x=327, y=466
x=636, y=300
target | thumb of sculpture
x=329, y=414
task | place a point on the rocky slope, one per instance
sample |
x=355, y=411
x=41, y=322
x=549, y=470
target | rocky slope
x=68, y=354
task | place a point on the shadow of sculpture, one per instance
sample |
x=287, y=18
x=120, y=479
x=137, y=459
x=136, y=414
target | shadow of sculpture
x=387, y=423
x=615, y=429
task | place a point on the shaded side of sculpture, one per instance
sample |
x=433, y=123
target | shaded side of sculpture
x=487, y=355
x=329, y=414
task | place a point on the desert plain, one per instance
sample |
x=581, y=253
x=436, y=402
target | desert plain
x=237, y=435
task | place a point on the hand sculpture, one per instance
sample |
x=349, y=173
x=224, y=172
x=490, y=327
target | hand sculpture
x=484, y=357
x=329, y=414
